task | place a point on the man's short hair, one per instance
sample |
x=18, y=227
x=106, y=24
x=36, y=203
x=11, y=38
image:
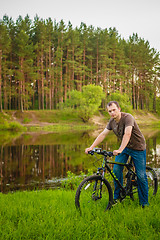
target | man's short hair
x=111, y=102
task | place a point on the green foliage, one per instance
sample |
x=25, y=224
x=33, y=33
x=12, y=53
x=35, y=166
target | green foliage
x=11, y=126
x=122, y=99
x=86, y=102
x=26, y=120
x=4, y=125
x=15, y=126
x=75, y=98
x=72, y=181
x=7, y=125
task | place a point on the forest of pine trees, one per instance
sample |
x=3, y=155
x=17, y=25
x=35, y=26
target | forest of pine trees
x=41, y=61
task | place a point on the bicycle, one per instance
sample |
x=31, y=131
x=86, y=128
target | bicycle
x=96, y=189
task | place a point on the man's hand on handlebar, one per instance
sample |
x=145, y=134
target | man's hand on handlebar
x=116, y=152
x=88, y=149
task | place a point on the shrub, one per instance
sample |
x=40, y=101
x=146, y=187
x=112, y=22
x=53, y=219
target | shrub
x=15, y=126
x=4, y=125
x=122, y=99
x=72, y=181
x=86, y=102
x=26, y=120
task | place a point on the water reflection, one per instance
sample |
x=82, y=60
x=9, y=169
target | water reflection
x=31, y=161
x=28, y=166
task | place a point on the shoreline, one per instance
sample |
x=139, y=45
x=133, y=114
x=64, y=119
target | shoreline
x=49, y=121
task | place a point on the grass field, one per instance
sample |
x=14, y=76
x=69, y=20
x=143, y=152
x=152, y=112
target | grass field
x=42, y=120
x=52, y=215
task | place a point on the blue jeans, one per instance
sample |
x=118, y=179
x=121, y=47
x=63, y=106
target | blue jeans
x=139, y=159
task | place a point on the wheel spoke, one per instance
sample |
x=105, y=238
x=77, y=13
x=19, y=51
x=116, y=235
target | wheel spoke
x=152, y=180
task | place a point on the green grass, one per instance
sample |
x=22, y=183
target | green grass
x=55, y=116
x=49, y=116
x=26, y=120
x=61, y=128
x=52, y=215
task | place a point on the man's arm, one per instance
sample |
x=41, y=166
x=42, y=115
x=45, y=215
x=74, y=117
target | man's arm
x=98, y=140
x=125, y=140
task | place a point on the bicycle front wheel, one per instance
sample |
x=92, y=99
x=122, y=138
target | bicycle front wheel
x=152, y=180
x=94, y=193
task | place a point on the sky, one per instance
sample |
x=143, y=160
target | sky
x=127, y=16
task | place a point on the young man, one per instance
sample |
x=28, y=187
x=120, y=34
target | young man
x=132, y=144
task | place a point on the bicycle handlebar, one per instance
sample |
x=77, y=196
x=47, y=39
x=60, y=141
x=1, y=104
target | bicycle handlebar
x=101, y=152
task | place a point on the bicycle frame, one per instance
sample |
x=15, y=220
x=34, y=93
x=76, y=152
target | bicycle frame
x=106, y=166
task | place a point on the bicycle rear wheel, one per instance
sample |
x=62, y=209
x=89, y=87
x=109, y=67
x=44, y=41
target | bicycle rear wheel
x=94, y=193
x=152, y=180
x=152, y=183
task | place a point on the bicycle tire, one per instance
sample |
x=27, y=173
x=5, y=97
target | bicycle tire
x=88, y=194
x=152, y=180
x=152, y=183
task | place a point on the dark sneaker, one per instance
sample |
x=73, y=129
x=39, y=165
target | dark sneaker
x=115, y=201
x=145, y=205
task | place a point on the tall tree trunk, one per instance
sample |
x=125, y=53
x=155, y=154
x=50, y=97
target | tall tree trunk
x=42, y=79
x=73, y=69
x=61, y=77
x=46, y=80
x=50, y=86
x=114, y=71
x=97, y=62
x=53, y=89
x=84, y=71
x=154, y=94
x=38, y=83
x=133, y=92
x=5, y=89
x=91, y=79
x=66, y=78
x=21, y=84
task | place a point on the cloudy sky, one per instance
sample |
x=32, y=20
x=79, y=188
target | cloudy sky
x=128, y=16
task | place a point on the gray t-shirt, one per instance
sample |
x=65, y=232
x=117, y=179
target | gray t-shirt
x=137, y=140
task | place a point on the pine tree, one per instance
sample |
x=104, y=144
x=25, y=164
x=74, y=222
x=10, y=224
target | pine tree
x=5, y=47
x=24, y=62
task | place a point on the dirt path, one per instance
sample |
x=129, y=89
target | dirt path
x=99, y=120
x=34, y=121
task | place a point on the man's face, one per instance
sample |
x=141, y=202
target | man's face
x=114, y=111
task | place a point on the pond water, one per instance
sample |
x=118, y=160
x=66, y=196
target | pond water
x=38, y=161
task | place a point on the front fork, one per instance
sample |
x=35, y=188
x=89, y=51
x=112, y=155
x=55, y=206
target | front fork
x=98, y=188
